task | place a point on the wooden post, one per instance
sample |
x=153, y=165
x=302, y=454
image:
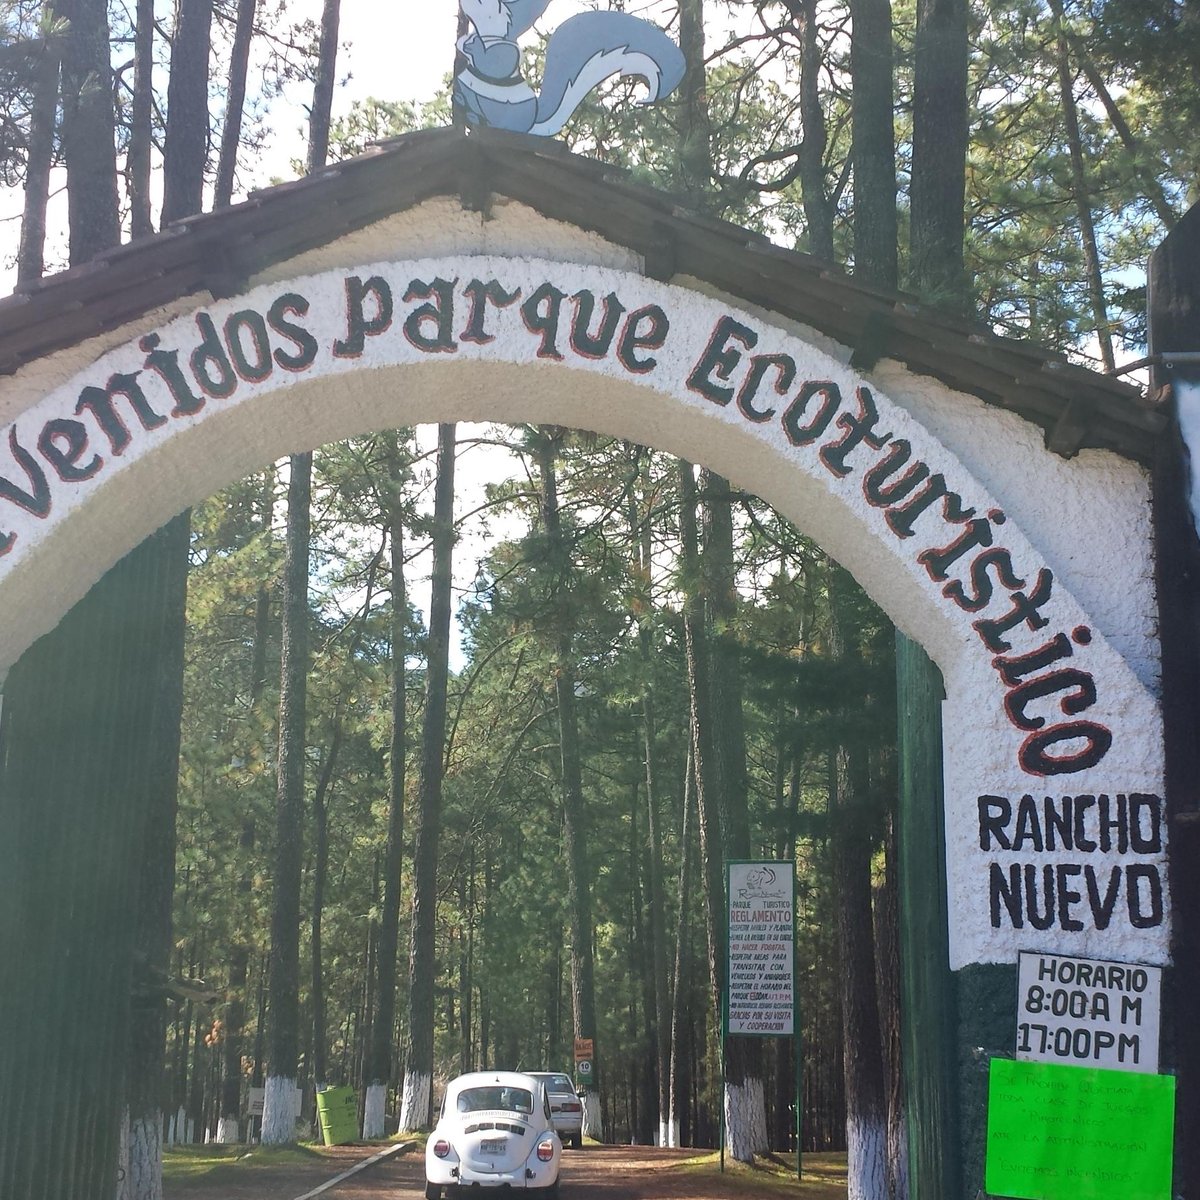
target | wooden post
x=927, y=986
x=1175, y=329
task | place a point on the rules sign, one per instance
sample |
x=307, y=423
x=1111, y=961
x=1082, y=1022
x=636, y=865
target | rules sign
x=762, y=969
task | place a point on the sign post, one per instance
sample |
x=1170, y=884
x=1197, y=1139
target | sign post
x=585, y=1062
x=760, y=989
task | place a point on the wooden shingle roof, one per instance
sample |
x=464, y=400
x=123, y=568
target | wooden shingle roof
x=219, y=252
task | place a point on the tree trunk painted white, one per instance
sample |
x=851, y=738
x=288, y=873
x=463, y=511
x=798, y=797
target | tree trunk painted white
x=375, y=1112
x=123, y=1192
x=279, y=1112
x=229, y=1132
x=866, y=1144
x=145, y=1172
x=746, y=1120
x=593, y=1119
x=672, y=1133
x=415, y=1101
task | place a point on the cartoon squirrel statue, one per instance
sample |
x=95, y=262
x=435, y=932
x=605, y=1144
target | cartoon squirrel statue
x=583, y=51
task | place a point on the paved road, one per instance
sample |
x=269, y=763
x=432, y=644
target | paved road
x=611, y=1172
x=596, y=1173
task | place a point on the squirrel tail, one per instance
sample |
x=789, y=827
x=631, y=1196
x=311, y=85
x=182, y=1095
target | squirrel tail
x=591, y=47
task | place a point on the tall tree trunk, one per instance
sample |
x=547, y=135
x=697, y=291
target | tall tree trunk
x=383, y=1026
x=712, y=849
x=322, y=107
x=417, y=1100
x=183, y=194
x=887, y=977
x=278, y=1124
x=185, y=149
x=229, y=1127
x=88, y=129
x=141, y=132
x=31, y=255
x=939, y=155
x=818, y=207
x=575, y=838
x=320, y=1036
x=873, y=142
x=640, y=531
x=1080, y=190
x=695, y=157
x=677, y=1087
x=850, y=861
x=745, y=1097
x=235, y=103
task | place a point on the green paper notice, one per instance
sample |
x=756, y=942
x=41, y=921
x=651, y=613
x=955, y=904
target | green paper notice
x=1076, y=1133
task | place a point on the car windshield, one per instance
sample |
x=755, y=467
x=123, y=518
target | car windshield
x=512, y=1099
x=558, y=1083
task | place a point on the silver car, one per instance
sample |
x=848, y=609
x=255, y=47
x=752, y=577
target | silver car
x=566, y=1109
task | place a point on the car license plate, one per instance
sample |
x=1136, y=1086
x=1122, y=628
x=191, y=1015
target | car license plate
x=492, y=1146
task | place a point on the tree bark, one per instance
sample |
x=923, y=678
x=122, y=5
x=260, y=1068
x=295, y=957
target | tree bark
x=1080, y=190
x=695, y=158
x=235, y=103
x=88, y=129
x=31, y=255
x=322, y=107
x=320, y=1056
x=185, y=149
x=643, y=552
x=141, y=134
x=850, y=861
x=677, y=1088
x=279, y=1126
x=575, y=834
x=939, y=156
x=818, y=208
x=417, y=1101
x=383, y=1026
x=873, y=142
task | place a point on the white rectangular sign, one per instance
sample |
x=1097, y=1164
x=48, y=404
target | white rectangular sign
x=762, y=949
x=258, y=1099
x=1088, y=1013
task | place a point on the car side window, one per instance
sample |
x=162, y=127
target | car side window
x=546, y=1104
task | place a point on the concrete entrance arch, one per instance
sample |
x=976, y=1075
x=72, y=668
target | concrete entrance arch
x=995, y=502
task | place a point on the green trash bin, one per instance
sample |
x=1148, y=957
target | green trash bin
x=337, y=1111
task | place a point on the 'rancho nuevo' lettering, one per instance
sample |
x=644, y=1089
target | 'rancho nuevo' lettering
x=1073, y=894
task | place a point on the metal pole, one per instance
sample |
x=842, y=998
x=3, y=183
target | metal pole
x=799, y=1103
x=721, y=1094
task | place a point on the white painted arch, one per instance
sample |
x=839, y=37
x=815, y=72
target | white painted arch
x=217, y=391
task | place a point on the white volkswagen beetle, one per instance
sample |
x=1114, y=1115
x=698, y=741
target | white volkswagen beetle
x=495, y=1131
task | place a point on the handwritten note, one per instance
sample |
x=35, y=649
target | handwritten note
x=1078, y=1133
